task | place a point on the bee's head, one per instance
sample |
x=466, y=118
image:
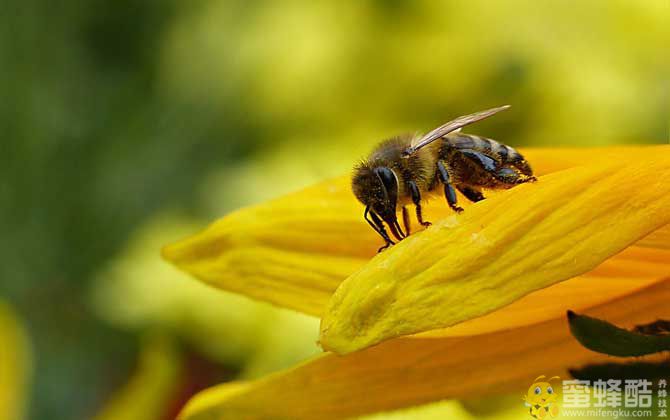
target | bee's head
x=377, y=187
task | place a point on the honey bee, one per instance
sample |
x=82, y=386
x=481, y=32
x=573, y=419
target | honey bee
x=406, y=169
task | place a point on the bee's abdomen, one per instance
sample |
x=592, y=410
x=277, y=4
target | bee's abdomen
x=504, y=153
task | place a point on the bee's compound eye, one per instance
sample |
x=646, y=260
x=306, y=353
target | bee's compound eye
x=387, y=178
x=550, y=390
x=538, y=390
x=389, y=184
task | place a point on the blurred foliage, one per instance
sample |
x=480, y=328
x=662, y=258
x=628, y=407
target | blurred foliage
x=114, y=113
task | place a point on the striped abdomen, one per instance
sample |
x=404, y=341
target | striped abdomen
x=504, y=154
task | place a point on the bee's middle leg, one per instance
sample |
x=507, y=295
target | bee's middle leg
x=449, y=191
x=416, y=199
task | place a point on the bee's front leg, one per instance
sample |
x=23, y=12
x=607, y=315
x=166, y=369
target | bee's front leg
x=388, y=244
x=377, y=224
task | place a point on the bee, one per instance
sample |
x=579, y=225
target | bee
x=405, y=169
x=541, y=399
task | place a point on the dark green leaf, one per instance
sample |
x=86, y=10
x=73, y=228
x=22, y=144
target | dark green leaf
x=603, y=337
x=648, y=370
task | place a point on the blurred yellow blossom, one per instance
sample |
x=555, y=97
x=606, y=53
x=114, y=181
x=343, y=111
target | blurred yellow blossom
x=149, y=392
x=139, y=291
x=15, y=365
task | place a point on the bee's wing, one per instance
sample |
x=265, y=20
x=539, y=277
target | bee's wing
x=452, y=125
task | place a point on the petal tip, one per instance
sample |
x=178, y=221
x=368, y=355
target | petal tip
x=200, y=246
x=168, y=252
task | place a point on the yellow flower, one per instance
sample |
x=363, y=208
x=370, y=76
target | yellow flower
x=486, y=289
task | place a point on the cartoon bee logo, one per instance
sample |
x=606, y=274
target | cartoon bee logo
x=541, y=399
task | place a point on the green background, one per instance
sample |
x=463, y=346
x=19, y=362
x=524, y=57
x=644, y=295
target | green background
x=126, y=124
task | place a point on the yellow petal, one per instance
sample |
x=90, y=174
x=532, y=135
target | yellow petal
x=552, y=302
x=548, y=160
x=499, y=250
x=410, y=371
x=657, y=239
x=201, y=402
x=14, y=366
x=148, y=394
x=632, y=270
x=290, y=251
x=295, y=250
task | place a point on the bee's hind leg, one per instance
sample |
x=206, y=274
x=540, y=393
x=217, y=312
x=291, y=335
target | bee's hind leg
x=416, y=199
x=449, y=192
x=509, y=176
x=470, y=193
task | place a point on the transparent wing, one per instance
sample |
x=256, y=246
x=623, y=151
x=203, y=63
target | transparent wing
x=452, y=125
